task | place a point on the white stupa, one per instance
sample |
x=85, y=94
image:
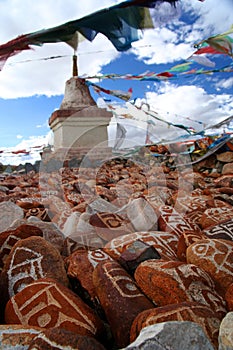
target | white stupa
x=79, y=123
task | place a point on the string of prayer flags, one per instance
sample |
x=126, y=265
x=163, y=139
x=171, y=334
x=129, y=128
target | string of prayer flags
x=122, y=24
x=117, y=93
x=218, y=44
x=22, y=151
x=174, y=72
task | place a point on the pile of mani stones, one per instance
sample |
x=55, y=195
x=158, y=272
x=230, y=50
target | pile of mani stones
x=125, y=256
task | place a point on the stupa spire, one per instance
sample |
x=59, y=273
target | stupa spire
x=75, y=65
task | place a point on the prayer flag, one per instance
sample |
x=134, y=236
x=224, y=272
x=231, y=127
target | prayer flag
x=120, y=136
x=121, y=24
x=117, y=93
x=202, y=60
x=218, y=44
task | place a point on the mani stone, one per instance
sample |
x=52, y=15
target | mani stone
x=222, y=231
x=187, y=311
x=165, y=244
x=10, y=237
x=172, y=336
x=17, y=337
x=46, y=303
x=51, y=233
x=120, y=299
x=157, y=196
x=29, y=260
x=189, y=203
x=172, y=221
x=185, y=240
x=214, y=216
x=101, y=205
x=135, y=253
x=225, y=338
x=173, y=282
x=39, y=212
x=80, y=266
x=9, y=212
x=81, y=240
x=109, y=225
x=59, y=338
x=229, y=297
x=215, y=256
x=194, y=217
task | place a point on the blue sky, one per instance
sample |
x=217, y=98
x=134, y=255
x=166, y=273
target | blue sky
x=30, y=91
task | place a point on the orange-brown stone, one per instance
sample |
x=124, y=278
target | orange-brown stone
x=215, y=256
x=29, y=260
x=59, y=338
x=80, y=266
x=10, y=237
x=186, y=311
x=229, y=297
x=120, y=298
x=174, y=282
x=165, y=244
x=46, y=303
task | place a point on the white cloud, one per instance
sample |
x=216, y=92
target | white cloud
x=33, y=145
x=48, y=77
x=44, y=125
x=163, y=45
x=213, y=18
x=188, y=106
x=35, y=78
x=224, y=83
x=191, y=102
x=35, y=141
x=19, y=136
x=20, y=16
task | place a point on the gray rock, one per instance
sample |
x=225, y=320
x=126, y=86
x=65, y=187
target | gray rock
x=141, y=215
x=8, y=170
x=33, y=219
x=51, y=165
x=9, y=212
x=4, y=189
x=16, y=223
x=225, y=337
x=21, y=169
x=29, y=167
x=37, y=166
x=51, y=233
x=74, y=163
x=84, y=225
x=172, y=336
x=101, y=205
x=70, y=226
